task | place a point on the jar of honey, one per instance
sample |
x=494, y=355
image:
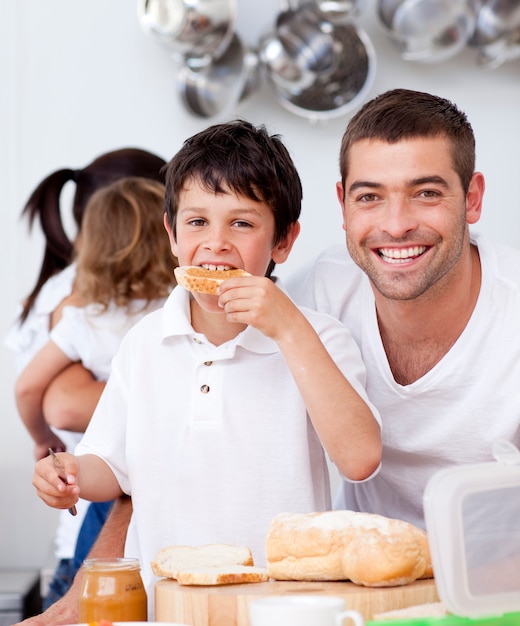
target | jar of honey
x=112, y=589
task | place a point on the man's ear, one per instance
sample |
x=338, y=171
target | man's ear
x=282, y=249
x=474, y=197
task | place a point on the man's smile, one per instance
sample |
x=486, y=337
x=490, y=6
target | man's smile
x=401, y=255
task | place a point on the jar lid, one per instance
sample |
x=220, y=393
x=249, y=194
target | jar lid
x=115, y=564
x=472, y=515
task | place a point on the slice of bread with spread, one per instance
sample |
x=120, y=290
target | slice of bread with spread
x=202, y=280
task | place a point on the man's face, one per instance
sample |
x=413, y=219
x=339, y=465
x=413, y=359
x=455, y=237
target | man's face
x=404, y=213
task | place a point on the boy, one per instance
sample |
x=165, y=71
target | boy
x=216, y=405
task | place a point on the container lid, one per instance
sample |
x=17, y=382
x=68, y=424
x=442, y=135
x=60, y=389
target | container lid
x=472, y=515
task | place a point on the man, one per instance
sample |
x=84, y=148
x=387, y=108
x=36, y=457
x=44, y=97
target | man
x=435, y=312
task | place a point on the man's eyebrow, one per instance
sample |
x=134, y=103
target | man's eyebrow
x=358, y=184
x=423, y=180
x=439, y=180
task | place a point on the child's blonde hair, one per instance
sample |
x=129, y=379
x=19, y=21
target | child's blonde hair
x=123, y=252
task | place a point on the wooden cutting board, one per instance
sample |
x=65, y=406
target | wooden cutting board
x=226, y=605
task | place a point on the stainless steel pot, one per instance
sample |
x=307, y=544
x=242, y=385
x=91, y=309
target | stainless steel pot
x=215, y=89
x=427, y=31
x=299, y=48
x=340, y=83
x=194, y=31
x=337, y=10
x=497, y=32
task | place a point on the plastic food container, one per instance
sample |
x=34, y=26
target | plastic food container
x=472, y=515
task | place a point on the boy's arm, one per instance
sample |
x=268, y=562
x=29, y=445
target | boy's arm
x=29, y=390
x=344, y=422
x=71, y=397
x=110, y=543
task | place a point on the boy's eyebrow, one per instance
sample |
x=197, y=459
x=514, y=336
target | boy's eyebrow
x=237, y=211
x=434, y=178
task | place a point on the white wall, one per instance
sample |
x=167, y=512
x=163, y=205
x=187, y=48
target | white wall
x=79, y=77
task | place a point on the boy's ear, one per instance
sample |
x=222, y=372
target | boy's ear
x=173, y=244
x=282, y=249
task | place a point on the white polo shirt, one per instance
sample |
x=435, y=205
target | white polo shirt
x=211, y=441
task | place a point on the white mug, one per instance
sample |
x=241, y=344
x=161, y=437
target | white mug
x=302, y=610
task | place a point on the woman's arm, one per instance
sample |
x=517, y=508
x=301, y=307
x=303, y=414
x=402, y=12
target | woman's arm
x=71, y=397
x=29, y=391
x=110, y=543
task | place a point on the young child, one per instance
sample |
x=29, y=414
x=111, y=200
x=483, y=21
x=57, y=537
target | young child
x=215, y=406
x=123, y=271
x=72, y=395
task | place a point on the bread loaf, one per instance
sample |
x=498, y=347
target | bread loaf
x=367, y=549
x=170, y=561
x=194, y=278
x=223, y=575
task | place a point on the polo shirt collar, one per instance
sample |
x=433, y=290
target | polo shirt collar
x=176, y=322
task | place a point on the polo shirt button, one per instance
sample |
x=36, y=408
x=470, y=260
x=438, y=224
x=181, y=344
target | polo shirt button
x=204, y=389
x=208, y=363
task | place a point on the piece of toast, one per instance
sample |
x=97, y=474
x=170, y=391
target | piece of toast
x=201, y=280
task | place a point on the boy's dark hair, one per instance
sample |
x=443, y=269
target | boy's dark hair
x=245, y=159
x=404, y=114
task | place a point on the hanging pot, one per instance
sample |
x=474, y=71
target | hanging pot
x=427, y=31
x=338, y=10
x=215, y=89
x=497, y=32
x=193, y=31
x=320, y=81
x=299, y=48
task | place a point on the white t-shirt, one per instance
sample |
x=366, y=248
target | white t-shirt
x=210, y=441
x=451, y=415
x=92, y=335
x=25, y=340
x=83, y=334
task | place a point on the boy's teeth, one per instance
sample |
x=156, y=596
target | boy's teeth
x=220, y=268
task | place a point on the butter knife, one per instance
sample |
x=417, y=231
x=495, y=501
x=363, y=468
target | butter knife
x=61, y=474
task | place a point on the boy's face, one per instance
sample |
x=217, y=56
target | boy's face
x=224, y=231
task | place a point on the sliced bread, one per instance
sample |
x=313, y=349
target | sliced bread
x=172, y=559
x=223, y=575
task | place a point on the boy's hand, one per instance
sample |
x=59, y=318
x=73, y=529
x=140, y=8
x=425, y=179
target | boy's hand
x=49, y=484
x=258, y=302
